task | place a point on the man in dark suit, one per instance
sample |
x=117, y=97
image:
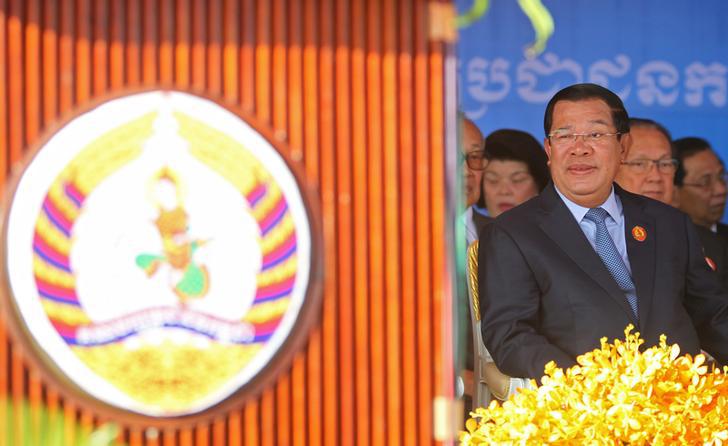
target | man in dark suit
x=649, y=170
x=700, y=183
x=586, y=258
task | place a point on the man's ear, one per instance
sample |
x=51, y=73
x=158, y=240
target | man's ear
x=547, y=149
x=625, y=142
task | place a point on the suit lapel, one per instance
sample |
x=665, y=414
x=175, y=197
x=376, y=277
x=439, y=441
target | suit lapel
x=641, y=253
x=559, y=224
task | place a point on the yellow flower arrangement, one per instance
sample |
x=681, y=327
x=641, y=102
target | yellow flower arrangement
x=615, y=395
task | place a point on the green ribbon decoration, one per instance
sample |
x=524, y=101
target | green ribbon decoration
x=541, y=20
x=542, y=23
x=479, y=8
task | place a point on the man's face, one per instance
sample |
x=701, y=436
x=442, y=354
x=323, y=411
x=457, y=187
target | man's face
x=472, y=145
x=584, y=170
x=648, y=145
x=703, y=192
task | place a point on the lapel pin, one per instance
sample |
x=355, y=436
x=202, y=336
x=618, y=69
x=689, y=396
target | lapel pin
x=639, y=233
x=710, y=263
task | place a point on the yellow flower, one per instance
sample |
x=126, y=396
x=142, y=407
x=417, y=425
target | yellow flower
x=615, y=395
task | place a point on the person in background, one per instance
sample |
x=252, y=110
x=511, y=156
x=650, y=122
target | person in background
x=473, y=160
x=649, y=170
x=700, y=183
x=517, y=170
x=650, y=166
x=473, y=164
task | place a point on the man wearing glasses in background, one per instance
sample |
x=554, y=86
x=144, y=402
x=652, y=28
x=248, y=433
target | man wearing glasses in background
x=586, y=258
x=649, y=170
x=701, y=183
x=472, y=149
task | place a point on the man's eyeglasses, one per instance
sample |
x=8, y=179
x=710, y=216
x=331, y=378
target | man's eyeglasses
x=560, y=140
x=475, y=159
x=643, y=165
x=707, y=182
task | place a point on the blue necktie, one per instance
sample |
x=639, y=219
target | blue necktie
x=611, y=258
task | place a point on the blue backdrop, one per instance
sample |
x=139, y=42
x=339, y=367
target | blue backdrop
x=667, y=60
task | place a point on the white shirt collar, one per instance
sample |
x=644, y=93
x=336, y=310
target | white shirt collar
x=611, y=205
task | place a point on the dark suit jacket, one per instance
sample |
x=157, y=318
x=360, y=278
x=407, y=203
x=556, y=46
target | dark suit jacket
x=546, y=295
x=715, y=247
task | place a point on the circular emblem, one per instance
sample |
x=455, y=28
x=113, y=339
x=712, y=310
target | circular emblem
x=159, y=253
x=639, y=233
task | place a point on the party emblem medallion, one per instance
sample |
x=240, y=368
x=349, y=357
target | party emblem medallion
x=639, y=233
x=159, y=253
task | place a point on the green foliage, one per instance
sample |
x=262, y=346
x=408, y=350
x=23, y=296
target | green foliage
x=22, y=424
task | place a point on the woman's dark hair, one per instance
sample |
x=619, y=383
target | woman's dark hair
x=516, y=145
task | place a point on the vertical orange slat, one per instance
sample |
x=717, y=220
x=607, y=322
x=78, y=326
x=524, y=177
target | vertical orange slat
x=267, y=417
x=230, y=25
x=35, y=399
x=262, y=61
x=31, y=54
x=169, y=438
x=295, y=80
x=202, y=435
x=65, y=60
x=116, y=44
x=247, y=55
x=360, y=150
x=424, y=307
x=82, y=70
x=214, y=47
x=199, y=40
x=135, y=438
x=218, y=432
x=69, y=422
x=283, y=409
x=3, y=173
x=185, y=437
x=133, y=42
x=182, y=46
x=406, y=114
x=327, y=143
x=86, y=422
x=279, y=74
x=312, y=167
x=53, y=405
x=149, y=42
x=391, y=224
x=17, y=384
x=50, y=62
x=151, y=437
x=343, y=204
x=298, y=411
x=235, y=437
x=4, y=368
x=15, y=81
x=251, y=429
x=100, y=48
x=298, y=404
x=437, y=163
x=282, y=416
x=376, y=224
x=166, y=41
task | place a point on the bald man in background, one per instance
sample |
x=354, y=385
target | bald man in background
x=649, y=169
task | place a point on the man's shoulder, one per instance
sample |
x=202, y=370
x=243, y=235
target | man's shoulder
x=650, y=206
x=523, y=211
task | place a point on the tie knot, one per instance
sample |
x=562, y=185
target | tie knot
x=597, y=215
